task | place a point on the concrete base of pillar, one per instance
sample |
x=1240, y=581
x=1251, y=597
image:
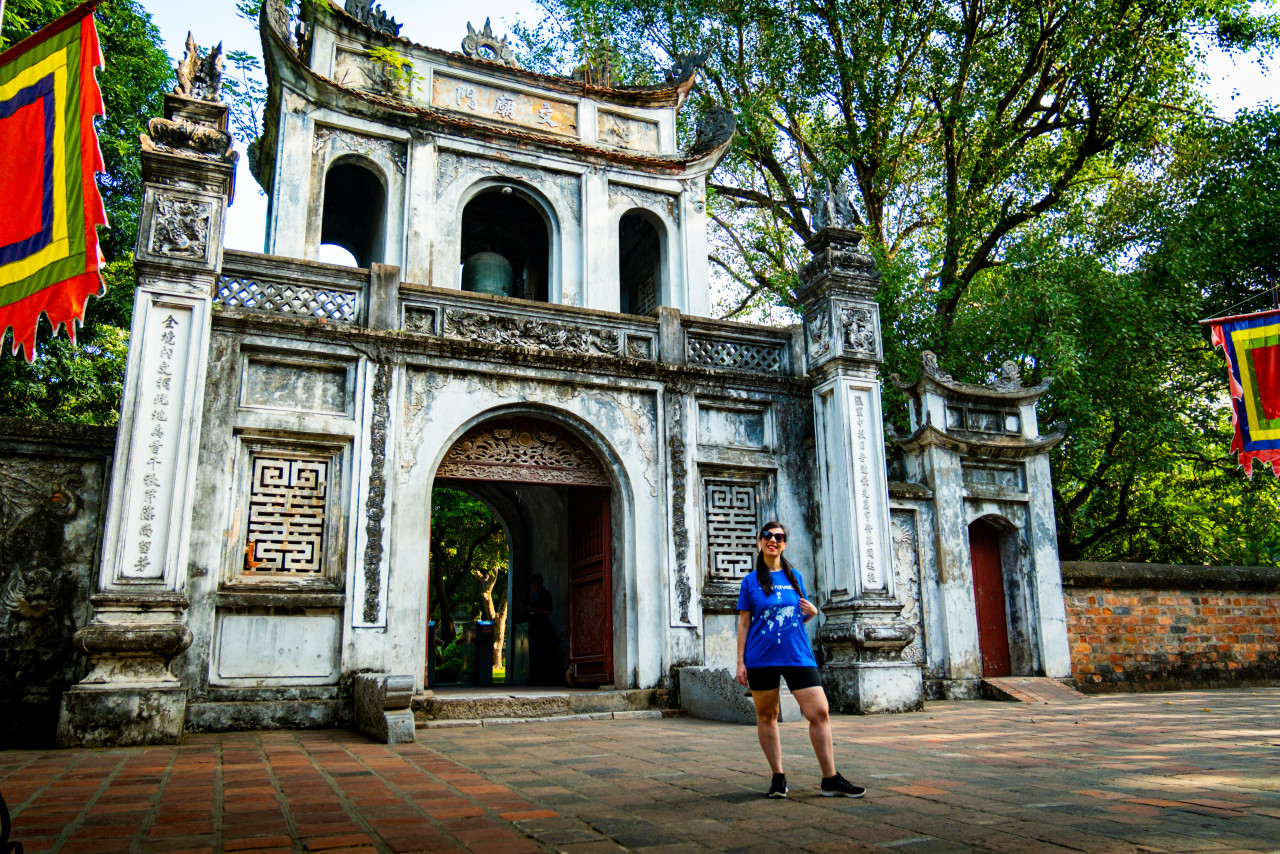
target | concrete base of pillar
x=122, y=715
x=874, y=688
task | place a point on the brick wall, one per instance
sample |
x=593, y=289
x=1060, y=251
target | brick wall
x=1153, y=627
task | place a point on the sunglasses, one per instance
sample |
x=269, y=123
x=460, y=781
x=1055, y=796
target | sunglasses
x=774, y=535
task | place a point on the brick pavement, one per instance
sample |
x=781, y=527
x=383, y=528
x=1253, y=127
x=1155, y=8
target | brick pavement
x=1156, y=772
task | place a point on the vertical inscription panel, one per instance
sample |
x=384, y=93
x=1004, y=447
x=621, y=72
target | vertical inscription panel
x=156, y=456
x=870, y=520
x=732, y=521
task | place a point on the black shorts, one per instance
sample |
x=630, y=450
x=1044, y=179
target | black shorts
x=768, y=678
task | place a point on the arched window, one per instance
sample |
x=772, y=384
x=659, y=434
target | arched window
x=639, y=264
x=354, y=218
x=503, y=221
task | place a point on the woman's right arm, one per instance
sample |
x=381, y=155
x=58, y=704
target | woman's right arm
x=744, y=623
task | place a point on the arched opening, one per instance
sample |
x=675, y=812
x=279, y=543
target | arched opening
x=469, y=589
x=639, y=263
x=354, y=217
x=989, y=598
x=505, y=222
x=552, y=496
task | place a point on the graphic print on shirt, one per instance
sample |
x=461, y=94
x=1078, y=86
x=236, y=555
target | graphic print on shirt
x=777, y=618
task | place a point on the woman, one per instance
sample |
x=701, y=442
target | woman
x=772, y=644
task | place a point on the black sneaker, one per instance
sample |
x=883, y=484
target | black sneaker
x=778, y=788
x=839, y=787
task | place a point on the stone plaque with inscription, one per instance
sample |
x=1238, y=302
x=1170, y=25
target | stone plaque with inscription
x=502, y=105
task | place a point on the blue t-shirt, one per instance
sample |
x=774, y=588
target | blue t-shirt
x=776, y=636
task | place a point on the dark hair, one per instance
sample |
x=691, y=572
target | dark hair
x=536, y=578
x=762, y=571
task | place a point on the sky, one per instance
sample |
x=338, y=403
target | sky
x=1231, y=83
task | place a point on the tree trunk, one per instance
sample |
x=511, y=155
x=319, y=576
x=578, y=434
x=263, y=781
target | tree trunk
x=500, y=634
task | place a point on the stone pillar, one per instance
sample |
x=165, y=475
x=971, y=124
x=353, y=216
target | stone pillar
x=188, y=170
x=863, y=632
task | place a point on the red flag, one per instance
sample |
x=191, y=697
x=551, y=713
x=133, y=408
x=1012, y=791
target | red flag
x=49, y=202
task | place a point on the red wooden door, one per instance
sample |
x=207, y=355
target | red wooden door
x=988, y=594
x=590, y=586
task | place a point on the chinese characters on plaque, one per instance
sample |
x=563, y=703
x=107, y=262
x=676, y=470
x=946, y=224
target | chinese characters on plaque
x=154, y=456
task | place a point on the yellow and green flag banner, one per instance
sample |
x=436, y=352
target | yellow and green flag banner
x=49, y=203
x=1252, y=346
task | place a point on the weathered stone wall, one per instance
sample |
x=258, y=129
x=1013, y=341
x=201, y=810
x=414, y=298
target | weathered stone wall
x=1153, y=627
x=52, y=484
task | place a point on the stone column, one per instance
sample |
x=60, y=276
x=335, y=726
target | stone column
x=863, y=632
x=188, y=170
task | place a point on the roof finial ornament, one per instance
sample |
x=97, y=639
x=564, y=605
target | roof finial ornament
x=200, y=77
x=929, y=361
x=372, y=15
x=1010, y=378
x=831, y=208
x=683, y=65
x=483, y=45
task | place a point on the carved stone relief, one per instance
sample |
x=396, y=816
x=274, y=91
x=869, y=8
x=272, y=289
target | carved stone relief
x=524, y=450
x=420, y=390
x=679, y=480
x=693, y=188
x=375, y=504
x=626, y=132
x=819, y=333
x=534, y=334
x=906, y=569
x=47, y=548
x=420, y=319
x=450, y=167
x=180, y=228
x=376, y=148
x=858, y=328
x=636, y=197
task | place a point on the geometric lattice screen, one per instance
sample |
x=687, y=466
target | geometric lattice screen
x=732, y=523
x=286, y=517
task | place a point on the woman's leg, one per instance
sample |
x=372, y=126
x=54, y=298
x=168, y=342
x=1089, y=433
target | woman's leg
x=813, y=705
x=767, y=727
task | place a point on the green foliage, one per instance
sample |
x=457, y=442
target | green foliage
x=469, y=555
x=398, y=67
x=82, y=382
x=1036, y=185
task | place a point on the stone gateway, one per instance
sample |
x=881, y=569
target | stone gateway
x=527, y=321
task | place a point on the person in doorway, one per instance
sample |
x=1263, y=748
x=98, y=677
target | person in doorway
x=541, y=632
x=773, y=645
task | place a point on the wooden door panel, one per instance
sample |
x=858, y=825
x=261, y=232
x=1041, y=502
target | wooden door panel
x=590, y=586
x=988, y=595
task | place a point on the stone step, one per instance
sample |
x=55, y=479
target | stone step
x=590, y=716
x=513, y=704
x=1031, y=689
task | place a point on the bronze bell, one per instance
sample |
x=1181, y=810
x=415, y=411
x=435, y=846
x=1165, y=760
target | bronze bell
x=489, y=273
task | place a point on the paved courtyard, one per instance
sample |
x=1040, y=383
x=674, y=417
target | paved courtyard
x=1157, y=772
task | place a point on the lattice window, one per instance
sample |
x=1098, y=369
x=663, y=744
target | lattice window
x=287, y=502
x=732, y=523
x=239, y=292
x=737, y=355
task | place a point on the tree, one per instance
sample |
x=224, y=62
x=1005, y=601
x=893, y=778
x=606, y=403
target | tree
x=82, y=382
x=468, y=563
x=1035, y=182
